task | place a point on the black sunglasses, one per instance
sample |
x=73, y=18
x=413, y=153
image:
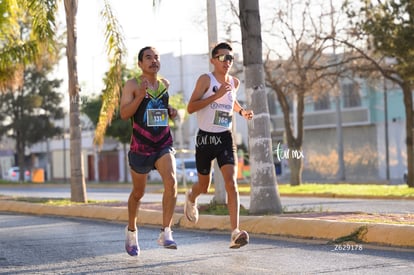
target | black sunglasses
x=225, y=57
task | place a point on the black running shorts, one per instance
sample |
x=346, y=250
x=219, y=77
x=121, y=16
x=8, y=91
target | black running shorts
x=210, y=146
x=142, y=164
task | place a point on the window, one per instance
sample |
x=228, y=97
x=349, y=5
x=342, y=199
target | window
x=271, y=101
x=350, y=95
x=322, y=102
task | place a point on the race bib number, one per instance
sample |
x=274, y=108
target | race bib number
x=157, y=117
x=222, y=119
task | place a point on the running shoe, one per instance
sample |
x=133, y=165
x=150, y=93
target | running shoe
x=131, y=242
x=190, y=209
x=239, y=238
x=166, y=240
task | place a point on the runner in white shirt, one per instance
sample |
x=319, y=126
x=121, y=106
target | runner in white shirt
x=214, y=100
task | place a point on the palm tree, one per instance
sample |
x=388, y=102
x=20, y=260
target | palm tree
x=17, y=48
x=77, y=179
x=111, y=93
x=264, y=198
x=14, y=52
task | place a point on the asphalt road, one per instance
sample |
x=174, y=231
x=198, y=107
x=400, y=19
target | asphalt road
x=302, y=204
x=56, y=245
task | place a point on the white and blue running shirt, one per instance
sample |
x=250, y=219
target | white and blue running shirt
x=217, y=116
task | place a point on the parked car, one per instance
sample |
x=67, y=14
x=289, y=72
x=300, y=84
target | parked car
x=154, y=176
x=14, y=172
x=190, y=170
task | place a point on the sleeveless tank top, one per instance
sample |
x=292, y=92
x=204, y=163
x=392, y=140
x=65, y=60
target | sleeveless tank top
x=151, y=132
x=217, y=116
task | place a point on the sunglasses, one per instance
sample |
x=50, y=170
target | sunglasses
x=225, y=57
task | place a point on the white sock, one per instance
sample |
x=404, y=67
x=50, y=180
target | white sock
x=168, y=233
x=235, y=231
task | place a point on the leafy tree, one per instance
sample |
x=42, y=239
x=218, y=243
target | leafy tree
x=306, y=72
x=388, y=29
x=264, y=196
x=118, y=129
x=27, y=46
x=177, y=102
x=21, y=45
x=27, y=113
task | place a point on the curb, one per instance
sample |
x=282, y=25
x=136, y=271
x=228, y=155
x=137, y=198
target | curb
x=307, y=228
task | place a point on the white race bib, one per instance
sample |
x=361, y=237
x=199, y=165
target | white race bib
x=157, y=117
x=222, y=119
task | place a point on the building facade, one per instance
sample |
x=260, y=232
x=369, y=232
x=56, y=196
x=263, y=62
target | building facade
x=364, y=135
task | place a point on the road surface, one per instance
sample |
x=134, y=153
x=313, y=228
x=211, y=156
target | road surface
x=57, y=245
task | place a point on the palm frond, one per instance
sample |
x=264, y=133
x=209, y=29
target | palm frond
x=43, y=14
x=17, y=53
x=115, y=51
x=12, y=59
x=7, y=9
x=27, y=36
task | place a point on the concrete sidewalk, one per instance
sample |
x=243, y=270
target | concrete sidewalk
x=298, y=227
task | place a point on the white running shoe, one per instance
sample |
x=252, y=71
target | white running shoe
x=190, y=209
x=239, y=238
x=166, y=240
x=131, y=242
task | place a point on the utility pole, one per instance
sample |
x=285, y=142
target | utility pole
x=339, y=134
x=387, y=153
x=220, y=191
x=211, y=25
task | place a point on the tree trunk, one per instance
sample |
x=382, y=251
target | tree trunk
x=296, y=166
x=77, y=179
x=20, y=144
x=295, y=139
x=20, y=148
x=264, y=196
x=408, y=102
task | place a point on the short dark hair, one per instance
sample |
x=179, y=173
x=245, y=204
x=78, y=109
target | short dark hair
x=141, y=52
x=220, y=46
